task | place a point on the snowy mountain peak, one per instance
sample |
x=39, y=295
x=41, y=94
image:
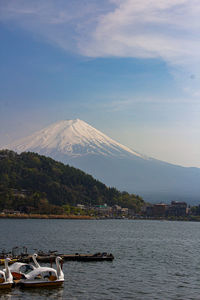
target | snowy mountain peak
x=73, y=138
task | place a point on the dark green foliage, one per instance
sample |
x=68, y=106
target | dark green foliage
x=31, y=182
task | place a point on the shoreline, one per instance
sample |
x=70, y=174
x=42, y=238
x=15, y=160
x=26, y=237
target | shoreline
x=44, y=216
x=75, y=217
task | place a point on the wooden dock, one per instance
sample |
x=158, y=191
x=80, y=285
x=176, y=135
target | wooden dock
x=21, y=254
x=51, y=256
x=70, y=257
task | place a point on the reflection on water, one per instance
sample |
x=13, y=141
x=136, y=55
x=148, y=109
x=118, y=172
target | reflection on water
x=31, y=293
x=5, y=295
x=153, y=260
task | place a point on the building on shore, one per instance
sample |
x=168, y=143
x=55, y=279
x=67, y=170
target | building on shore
x=161, y=210
x=177, y=209
x=156, y=210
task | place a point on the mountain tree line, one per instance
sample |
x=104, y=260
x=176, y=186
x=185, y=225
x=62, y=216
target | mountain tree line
x=30, y=182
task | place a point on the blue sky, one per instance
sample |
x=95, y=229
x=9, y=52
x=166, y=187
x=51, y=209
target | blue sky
x=128, y=68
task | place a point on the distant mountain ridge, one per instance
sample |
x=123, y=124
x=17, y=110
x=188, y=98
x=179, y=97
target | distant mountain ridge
x=77, y=143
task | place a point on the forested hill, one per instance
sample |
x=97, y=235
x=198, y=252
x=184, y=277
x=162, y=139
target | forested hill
x=31, y=182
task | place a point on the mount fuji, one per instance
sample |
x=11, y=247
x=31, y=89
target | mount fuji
x=76, y=143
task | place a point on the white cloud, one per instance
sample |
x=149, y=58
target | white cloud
x=164, y=29
x=129, y=104
x=140, y=28
x=60, y=22
x=148, y=28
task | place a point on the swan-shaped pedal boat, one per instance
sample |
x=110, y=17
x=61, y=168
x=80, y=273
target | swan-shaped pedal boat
x=44, y=276
x=19, y=270
x=6, y=278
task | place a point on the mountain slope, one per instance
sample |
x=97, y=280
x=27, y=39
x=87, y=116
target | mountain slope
x=31, y=180
x=76, y=143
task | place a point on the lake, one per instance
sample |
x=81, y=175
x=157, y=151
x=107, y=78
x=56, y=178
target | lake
x=153, y=259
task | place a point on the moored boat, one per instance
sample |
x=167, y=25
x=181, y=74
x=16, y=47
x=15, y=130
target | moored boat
x=12, y=261
x=44, y=276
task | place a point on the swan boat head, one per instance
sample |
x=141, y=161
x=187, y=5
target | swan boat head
x=60, y=273
x=34, y=256
x=6, y=278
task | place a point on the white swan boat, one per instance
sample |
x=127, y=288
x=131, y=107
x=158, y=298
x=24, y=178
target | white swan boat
x=6, y=278
x=44, y=276
x=19, y=270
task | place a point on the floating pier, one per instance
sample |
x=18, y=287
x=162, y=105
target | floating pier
x=73, y=257
x=51, y=256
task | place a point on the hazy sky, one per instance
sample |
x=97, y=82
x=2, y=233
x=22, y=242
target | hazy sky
x=130, y=68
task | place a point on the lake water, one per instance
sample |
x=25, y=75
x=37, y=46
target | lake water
x=153, y=259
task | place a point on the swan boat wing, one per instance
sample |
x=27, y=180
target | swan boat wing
x=42, y=276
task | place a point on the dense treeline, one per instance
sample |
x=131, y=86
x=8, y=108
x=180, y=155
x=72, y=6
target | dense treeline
x=30, y=182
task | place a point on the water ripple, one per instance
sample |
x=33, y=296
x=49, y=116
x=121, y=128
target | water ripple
x=153, y=259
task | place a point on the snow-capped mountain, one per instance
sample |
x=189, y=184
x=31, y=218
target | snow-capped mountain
x=77, y=143
x=74, y=138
